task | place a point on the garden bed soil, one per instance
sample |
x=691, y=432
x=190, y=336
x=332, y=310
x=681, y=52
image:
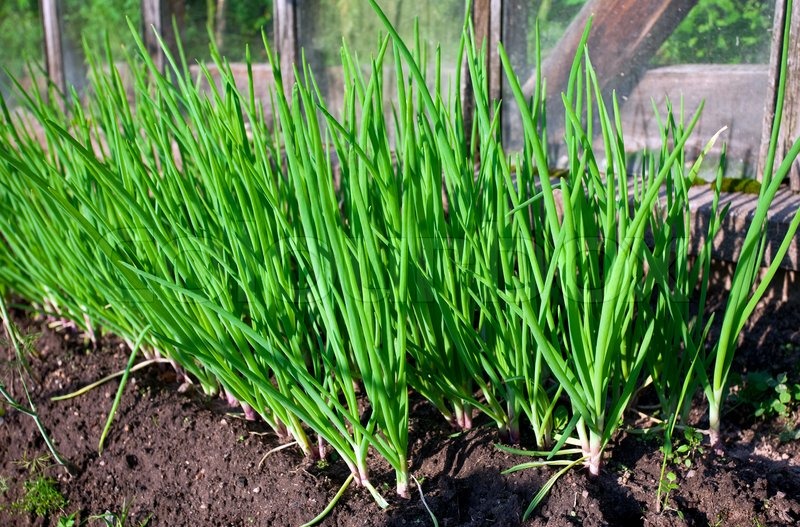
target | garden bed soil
x=180, y=458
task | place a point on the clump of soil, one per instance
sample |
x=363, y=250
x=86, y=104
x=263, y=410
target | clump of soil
x=184, y=459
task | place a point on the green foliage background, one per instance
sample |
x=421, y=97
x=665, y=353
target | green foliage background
x=324, y=24
x=243, y=21
x=91, y=20
x=554, y=16
x=723, y=32
x=20, y=37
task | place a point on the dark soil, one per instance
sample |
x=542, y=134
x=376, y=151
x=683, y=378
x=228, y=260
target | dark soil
x=180, y=458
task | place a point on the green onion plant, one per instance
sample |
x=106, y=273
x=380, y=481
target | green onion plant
x=315, y=268
x=747, y=286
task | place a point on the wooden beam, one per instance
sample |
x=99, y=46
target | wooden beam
x=495, y=37
x=790, y=121
x=516, y=33
x=53, y=52
x=625, y=35
x=487, y=21
x=285, y=15
x=728, y=243
x=152, y=25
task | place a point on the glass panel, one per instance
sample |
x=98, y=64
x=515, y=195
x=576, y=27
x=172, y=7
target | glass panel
x=718, y=54
x=22, y=43
x=519, y=28
x=722, y=32
x=234, y=24
x=324, y=24
x=519, y=38
x=90, y=22
x=716, y=51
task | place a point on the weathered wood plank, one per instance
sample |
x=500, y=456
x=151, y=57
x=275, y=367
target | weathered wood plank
x=285, y=15
x=480, y=22
x=53, y=51
x=152, y=25
x=516, y=33
x=728, y=92
x=728, y=244
x=495, y=36
x=487, y=21
x=790, y=126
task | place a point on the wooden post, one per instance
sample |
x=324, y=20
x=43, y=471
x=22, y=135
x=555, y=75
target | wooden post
x=54, y=55
x=516, y=33
x=495, y=37
x=286, y=39
x=152, y=25
x=790, y=122
x=487, y=20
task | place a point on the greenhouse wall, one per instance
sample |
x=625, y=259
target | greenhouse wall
x=647, y=53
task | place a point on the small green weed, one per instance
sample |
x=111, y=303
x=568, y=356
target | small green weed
x=40, y=494
x=769, y=396
x=789, y=434
x=41, y=497
x=691, y=447
x=668, y=484
x=790, y=347
x=120, y=519
x=34, y=464
x=684, y=454
x=68, y=521
x=26, y=344
x=719, y=521
x=686, y=450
